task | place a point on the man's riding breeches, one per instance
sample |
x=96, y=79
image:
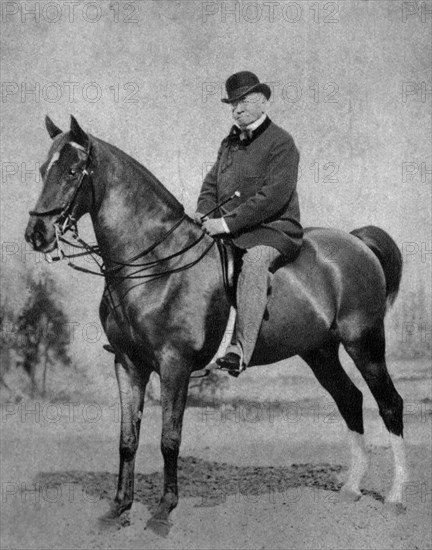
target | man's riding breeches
x=252, y=294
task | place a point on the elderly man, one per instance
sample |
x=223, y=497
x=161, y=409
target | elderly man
x=260, y=160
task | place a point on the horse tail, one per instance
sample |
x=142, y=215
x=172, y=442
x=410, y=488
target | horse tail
x=388, y=254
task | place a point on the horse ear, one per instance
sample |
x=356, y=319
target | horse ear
x=52, y=128
x=77, y=133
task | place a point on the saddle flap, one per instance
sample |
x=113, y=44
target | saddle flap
x=231, y=261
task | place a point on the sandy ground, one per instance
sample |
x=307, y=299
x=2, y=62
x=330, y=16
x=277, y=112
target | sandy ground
x=253, y=474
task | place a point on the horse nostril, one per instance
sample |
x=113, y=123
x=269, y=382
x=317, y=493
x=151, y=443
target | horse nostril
x=37, y=236
x=38, y=239
x=30, y=235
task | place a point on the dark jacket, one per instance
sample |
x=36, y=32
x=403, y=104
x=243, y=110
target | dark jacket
x=264, y=170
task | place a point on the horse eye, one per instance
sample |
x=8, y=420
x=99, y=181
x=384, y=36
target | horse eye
x=72, y=172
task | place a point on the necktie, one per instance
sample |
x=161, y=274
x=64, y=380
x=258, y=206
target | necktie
x=236, y=139
x=246, y=135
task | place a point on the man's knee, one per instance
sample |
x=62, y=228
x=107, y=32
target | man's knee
x=259, y=257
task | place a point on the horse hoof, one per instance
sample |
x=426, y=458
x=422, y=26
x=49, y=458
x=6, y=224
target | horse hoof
x=394, y=508
x=349, y=495
x=159, y=526
x=113, y=520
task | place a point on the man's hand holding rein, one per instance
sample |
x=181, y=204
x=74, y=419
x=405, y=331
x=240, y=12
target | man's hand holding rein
x=216, y=226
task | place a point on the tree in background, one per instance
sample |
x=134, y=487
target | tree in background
x=43, y=332
x=6, y=343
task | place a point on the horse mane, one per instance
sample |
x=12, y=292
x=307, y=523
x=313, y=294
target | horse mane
x=165, y=195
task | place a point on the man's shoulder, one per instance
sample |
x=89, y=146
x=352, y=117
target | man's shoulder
x=278, y=134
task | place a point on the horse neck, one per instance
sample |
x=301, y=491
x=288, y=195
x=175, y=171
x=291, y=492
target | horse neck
x=132, y=209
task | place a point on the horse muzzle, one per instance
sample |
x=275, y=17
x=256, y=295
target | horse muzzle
x=40, y=235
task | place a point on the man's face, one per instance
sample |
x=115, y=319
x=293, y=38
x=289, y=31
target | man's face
x=248, y=109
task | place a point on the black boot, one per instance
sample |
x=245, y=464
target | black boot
x=231, y=362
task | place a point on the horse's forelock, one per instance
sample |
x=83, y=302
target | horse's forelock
x=60, y=141
x=56, y=149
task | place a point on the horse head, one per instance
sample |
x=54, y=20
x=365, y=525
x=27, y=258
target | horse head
x=67, y=191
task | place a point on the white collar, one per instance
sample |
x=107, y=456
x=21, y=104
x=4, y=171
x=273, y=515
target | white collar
x=254, y=125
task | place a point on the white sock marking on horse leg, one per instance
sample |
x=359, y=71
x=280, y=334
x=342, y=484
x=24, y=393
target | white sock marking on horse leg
x=359, y=462
x=400, y=468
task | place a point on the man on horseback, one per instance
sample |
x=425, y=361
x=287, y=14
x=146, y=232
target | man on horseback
x=260, y=160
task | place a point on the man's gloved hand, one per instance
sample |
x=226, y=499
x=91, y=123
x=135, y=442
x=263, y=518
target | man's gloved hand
x=215, y=226
x=197, y=218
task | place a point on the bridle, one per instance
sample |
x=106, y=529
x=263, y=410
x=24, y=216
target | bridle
x=66, y=221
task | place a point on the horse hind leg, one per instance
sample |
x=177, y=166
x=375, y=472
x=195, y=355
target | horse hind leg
x=368, y=354
x=326, y=366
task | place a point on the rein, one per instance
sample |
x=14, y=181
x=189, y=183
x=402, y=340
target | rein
x=111, y=273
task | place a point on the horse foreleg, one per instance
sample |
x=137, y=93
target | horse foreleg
x=174, y=388
x=131, y=389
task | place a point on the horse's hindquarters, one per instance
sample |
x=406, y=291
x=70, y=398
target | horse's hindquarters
x=330, y=291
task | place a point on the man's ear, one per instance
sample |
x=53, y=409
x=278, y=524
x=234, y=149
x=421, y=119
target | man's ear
x=53, y=131
x=77, y=134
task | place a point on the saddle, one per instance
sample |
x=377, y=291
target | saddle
x=231, y=261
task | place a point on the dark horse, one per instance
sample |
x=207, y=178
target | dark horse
x=169, y=313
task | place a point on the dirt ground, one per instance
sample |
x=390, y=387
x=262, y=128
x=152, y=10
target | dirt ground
x=254, y=472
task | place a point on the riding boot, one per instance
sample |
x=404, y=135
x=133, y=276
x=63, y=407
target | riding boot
x=252, y=295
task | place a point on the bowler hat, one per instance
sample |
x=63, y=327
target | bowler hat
x=242, y=83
